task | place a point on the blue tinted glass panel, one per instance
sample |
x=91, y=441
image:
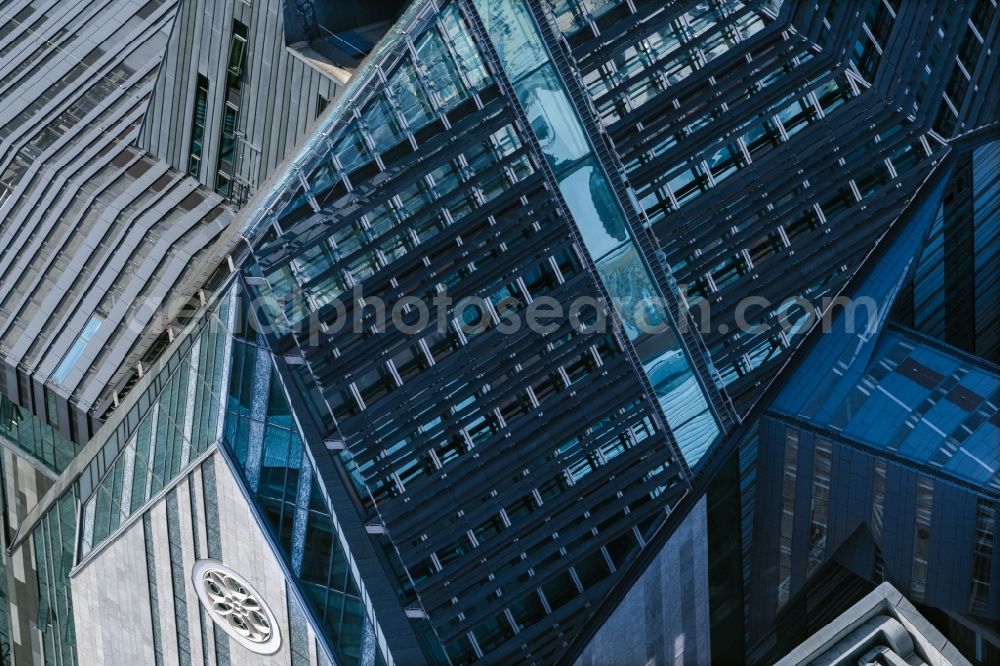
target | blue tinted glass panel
x=73, y=353
x=552, y=117
x=594, y=209
x=601, y=222
x=513, y=32
x=410, y=97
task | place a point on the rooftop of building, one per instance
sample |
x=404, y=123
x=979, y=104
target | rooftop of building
x=336, y=36
x=882, y=628
x=96, y=237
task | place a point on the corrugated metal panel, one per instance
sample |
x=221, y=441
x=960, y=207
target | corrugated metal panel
x=277, y=99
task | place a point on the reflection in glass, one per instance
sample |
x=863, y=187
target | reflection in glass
x=72, y=355
x=512, y=30
x=410, y=97
x=380, y=121
x=228, y=138
x=350, y=150
x=468, y=56
x=552, y=117
x=601, y=221
x=594, y=209
x=632, y=292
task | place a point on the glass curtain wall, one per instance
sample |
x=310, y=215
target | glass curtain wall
x=180, y=425
x=264, y=442
x=601, y=223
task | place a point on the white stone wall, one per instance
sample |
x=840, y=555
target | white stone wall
x=111, y=603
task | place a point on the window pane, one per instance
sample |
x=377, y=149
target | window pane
x=552, y=117
x=593, y=207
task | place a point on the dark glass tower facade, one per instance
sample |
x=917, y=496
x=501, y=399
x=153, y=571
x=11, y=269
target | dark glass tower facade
x=885, y=467
x=499, y=464
x=954, y=296
x=614, y=151
x=466, y=360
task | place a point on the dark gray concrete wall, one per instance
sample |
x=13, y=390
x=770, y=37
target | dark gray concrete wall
x=664, y=617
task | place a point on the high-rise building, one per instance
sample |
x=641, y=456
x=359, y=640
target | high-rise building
x=888, y=431
x=116, y=120
x=455, y=331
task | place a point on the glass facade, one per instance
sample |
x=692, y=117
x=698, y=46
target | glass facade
x=424, y=182
x=787, y=524
x=171, y=423
x=602, y=225
x=982, y=557
x=492, y=158
x=683, y=123
x=226, y=165
x=261, y=435
x=19, y=426
x=878, y=498
x=882, y=462
x=376, y=207
x=955, y=294
x=938, y=77
x=53, y=544
x=72, y=354
x=198, y=119
x=812, y=502
x=223, y=390
x=820, y=509
x=178, y=427
x=921, y=537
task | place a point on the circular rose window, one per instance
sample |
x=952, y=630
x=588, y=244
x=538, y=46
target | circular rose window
x=235, y=606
